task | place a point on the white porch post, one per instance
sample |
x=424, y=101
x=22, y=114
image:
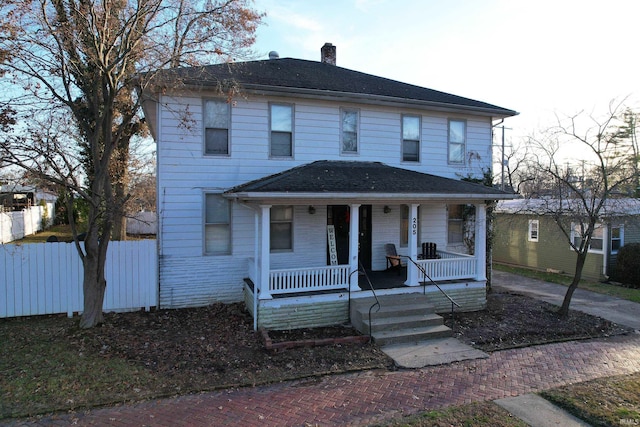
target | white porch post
x=480, y=250
x=354, y=234
x=265, y=249
x=412, y=270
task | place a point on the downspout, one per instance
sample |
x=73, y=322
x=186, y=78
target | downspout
x=606, y=248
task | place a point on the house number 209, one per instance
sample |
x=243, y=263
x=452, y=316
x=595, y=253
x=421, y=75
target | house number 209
x=414, y=226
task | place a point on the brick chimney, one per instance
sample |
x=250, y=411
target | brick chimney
x=328, y=54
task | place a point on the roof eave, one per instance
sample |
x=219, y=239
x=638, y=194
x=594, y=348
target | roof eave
x=258, y=196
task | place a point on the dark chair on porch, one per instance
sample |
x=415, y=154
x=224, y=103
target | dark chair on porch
x=394, y=262
x=429, y=251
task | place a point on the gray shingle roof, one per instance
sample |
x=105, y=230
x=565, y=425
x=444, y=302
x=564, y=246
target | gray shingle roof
x=297, y=75
x=339, y=177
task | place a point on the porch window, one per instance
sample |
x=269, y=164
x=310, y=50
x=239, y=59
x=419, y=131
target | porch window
x=281, y=228
x=457, y=141
x=281, y=144
x=617, y=238
x=534, y=226
x=216, y=127
x=411, y=138
x=404, y=226
x=349, y=131
x=454, y=224
x=217, y=226
x=597, y=238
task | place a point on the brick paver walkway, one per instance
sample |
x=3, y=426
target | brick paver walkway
x=364, y=398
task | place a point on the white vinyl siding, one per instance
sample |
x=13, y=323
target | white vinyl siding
x=216, y=127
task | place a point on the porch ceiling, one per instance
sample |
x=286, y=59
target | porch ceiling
x=361, y=181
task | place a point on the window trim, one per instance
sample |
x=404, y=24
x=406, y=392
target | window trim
x=344, y=110
x=204, y=128
x=292, y=131
x=402, y=139
x=530, y=237
x=450, y=143
x=272, y=221
x=205, y=224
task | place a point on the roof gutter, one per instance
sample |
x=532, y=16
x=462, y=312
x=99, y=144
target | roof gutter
x=368, y=197
x=367, y=99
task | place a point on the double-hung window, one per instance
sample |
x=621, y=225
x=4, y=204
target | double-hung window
x=617, y=238
x=216, y=127
x=457, y=141
x=534, y=230
x=281, y=228
x=217, y=225
x=454, y=224
x=410, y=138
x=281, y=123
x=349, y=131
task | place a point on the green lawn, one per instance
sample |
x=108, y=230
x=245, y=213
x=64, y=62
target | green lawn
x=563, y=279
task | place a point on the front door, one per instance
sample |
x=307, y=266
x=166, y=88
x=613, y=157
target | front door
x=340, y=216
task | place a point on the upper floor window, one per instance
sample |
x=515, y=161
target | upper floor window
x=411, y=138
x=534, y=228
x=216, y=127
x=457, y=141
x=217, y=225
x=281, y=144
x=454, y=224
x=281, y=228
x=617, y=238
x=597, y=238
x=349, y=131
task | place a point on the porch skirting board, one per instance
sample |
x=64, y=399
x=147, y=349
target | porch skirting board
x=300, y=312
x=333, y=309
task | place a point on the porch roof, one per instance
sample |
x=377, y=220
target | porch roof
x=360, y=181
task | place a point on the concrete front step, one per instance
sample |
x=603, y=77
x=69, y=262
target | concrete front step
x=411, y=335
x=399, y=319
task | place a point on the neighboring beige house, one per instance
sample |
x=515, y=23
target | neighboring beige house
x=528, y=239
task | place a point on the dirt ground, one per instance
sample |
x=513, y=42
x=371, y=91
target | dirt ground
x=215, y=346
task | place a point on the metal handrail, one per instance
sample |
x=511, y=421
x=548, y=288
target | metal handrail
x=424, y=272
x=376, y=303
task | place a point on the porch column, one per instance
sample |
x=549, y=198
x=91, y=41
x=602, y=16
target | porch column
x=412, y=270
x=265, y=250
x=354, y=235
x=480, y=250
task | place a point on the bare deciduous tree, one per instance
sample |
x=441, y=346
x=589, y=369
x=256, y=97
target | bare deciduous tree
x=84, y=59
x=579, y=197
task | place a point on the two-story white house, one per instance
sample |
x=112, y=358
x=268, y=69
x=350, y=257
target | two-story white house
x=279, y=179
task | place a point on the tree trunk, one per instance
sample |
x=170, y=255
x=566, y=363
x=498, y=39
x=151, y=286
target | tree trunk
x=93, y=286
x=564, y=309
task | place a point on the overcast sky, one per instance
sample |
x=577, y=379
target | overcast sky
x=535, y=57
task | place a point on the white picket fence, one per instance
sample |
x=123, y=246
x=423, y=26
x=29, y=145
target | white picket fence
x=46, y=278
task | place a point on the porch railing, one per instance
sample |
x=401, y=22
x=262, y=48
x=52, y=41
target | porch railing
x=286, y=281
x=450, y=266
